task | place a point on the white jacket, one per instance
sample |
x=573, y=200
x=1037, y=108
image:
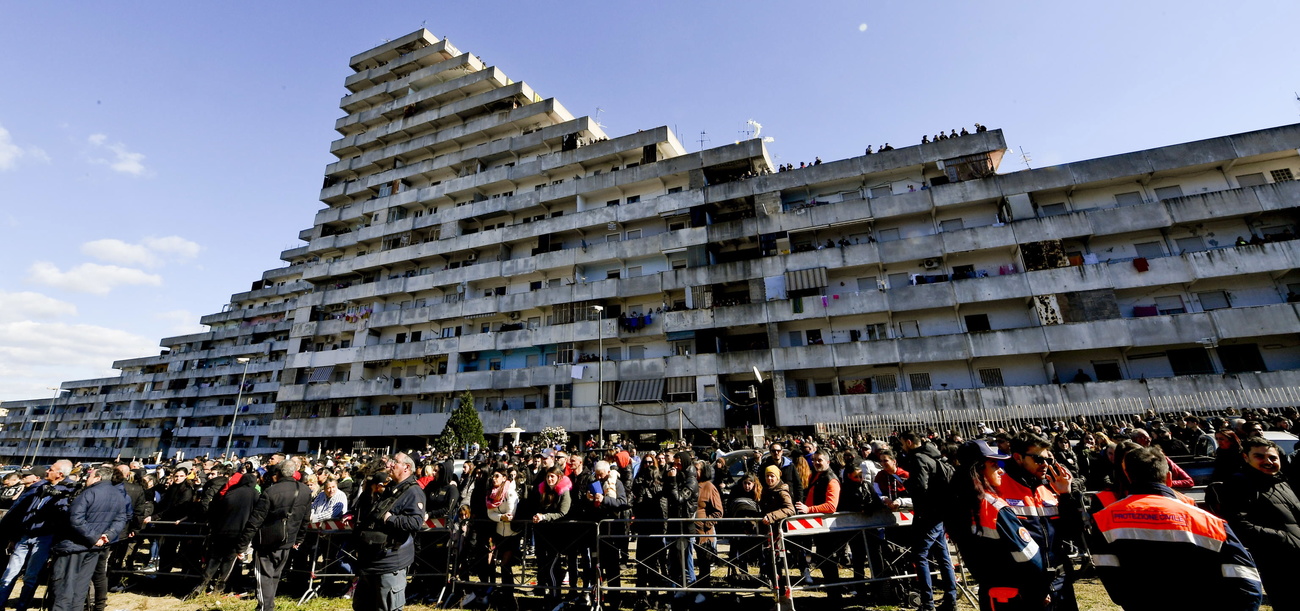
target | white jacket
x=507, y=506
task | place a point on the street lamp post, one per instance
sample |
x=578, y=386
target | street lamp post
x=230, y=440
x=49, y=414
x=600, y=371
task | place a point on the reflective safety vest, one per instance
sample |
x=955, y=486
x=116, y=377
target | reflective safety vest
x=1146, y=539
x=1039, y=512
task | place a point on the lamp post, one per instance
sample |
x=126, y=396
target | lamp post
x=230, y=440
x=49, y=413
x=600, y=371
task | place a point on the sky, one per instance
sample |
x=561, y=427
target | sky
x=156, y=157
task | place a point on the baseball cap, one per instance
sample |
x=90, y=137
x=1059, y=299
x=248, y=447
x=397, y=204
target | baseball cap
x=36, y=471
x=989, y=452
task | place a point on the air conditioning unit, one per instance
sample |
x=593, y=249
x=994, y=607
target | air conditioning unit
x=514, y=316
x=471, y=257
x=931, y=264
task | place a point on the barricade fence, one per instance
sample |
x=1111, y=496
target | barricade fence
x=609, y=559
x=1204, y=404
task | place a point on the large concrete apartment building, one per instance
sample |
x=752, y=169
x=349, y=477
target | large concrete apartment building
x=477, y=236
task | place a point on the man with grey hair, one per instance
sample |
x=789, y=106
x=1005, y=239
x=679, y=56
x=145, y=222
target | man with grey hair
x=29, y=528
x=384, y=538
x=96, y=518
x=277, y=526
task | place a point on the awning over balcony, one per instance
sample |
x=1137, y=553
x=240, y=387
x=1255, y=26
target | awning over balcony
x=633, y=391
x=682, y=385
x=321, y=374
x=805, y=279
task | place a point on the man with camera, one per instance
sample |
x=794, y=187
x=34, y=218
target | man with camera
x=387, y=519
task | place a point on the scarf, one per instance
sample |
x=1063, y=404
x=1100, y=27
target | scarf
x=497, y=496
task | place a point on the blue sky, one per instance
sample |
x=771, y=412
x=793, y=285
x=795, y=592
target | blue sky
x=156, y=157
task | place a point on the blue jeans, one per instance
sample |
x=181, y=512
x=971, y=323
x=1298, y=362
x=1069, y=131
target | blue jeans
x=932, y=540
x=32, y=551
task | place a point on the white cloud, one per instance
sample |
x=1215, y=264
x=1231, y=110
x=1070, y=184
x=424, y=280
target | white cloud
x=90, y=277
x=34, y=305
x=117, y=251
x=36, y=355
x=146, y=253
x=183, y=322
x=10, y=153
x=123, y=160
x=174, y=245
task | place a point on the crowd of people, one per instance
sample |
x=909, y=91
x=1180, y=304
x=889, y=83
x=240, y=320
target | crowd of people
x=1030, y=509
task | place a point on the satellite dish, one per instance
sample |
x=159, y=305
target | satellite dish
x=758, y=374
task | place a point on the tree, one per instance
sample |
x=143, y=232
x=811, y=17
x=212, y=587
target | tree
x=463, y=427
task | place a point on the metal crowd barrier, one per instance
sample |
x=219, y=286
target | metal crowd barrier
x=329, y=556
x=610, y=558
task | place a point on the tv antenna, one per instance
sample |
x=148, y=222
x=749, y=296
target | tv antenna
x=703, y=139
x=1025, y=158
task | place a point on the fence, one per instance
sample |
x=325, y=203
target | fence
x=1103, y=410
x=605, y=560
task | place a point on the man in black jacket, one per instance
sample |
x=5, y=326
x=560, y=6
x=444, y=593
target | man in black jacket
x=1263, y=510
x=95, y=518
x=925, y=485
x=141, y=508
x=384, y=542
x=228, y=515
x=277, y=525
x=682, y=490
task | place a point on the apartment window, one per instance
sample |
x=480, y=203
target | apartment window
x=415, y=336
x=885, y=383
x=867, y=284
x=887, y=235
x=909, y=328
x=977, y=322
x=884, y=191
x=672, y=190
x=919, y=381
x=676, y=226
x=634, y=234
x=614, y=354
x=1169, y=192
x=991, y=376
x=1052, y=210
x=1282, y=175
x=1251, y=180
x=1192, y=244
x=1213, y=300
x=612, y=202
x=678, y=264
x=535, y=286
x=564, y=353
x=1128, y=199
x=634, y=271
x=563, y=395
x=612, y=274
x=877, y=331
x=635, y=352
x=494, y=364
x=951, y=225
x=900, y=280
x=534, y=322
x=612, y=237
x=401, y=338
x=632, y=199
x=814, y=337
x=683, y=348
x=531, y=360
x=1149, y=250
x=1172, y=304
x=1107, y=371
x=796, y=338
